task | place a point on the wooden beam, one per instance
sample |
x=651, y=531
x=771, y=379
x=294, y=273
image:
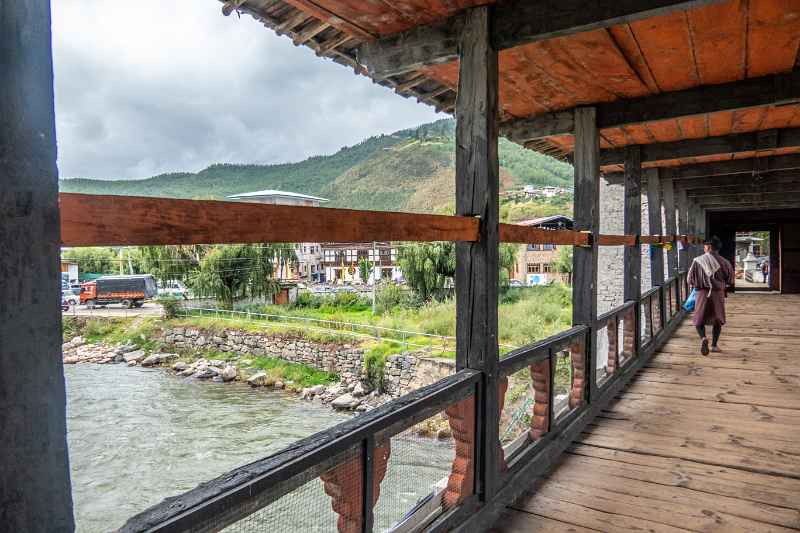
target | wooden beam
x=670, y=224
x=782, y=198
x=656, y=226
x=735, y=166
x=94, y=220
x=528, y=235
x=35, y=492
x=314, y=28
x=743, y=94
x=477, y=263
x=742, y=190
x=585, y=259
x=516, y=23
x=632, y=220
x=728, y=144
x=771, y=179
x=683, y=228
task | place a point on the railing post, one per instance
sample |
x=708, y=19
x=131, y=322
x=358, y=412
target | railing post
x=670, y=225
x=587, y=218
x=656, y=228
x=683, y=227
x=633, y=226
x=477, y=271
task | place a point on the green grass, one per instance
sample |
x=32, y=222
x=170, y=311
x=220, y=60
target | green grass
x=301, y=375
x=142, y=332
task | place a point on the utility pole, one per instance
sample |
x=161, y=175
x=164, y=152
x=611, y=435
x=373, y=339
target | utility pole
x=374, y=277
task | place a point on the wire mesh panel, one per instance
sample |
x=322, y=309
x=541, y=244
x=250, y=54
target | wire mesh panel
x=606, y=342
x=646, y=320
x=655, y=313
x=517, y=411
x=327, y=503
x=626, y=332
x=430, y=469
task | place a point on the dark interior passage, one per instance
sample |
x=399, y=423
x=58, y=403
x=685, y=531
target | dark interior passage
x=783, y=253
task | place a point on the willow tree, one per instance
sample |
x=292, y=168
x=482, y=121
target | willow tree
x=172, y=262
x=234, y=272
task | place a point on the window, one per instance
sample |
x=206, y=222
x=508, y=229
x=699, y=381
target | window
x=394, y=255
x=547, y=267
x=534, y=247
x=534, y=268
x=548, y=247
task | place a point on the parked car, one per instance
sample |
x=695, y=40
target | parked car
x=515, y=283
x=174, y=288
x=69, y=298
x=64, y=305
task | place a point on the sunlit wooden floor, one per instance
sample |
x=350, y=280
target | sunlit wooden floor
x=694, y=443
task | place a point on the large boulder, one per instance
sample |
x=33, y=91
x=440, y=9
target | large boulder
x=345, y=401
x=135, y=356
x=258, y=380
x=152, y=360
x=180, y=366
x=228, y=373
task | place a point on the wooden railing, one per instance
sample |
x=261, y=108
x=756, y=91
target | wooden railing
x=349, y=461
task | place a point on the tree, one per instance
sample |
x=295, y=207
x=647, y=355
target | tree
x=230, y=273
x=171, y=262
x=430, y=267
x=563, y=262
x=94, y=260
x=365, y=269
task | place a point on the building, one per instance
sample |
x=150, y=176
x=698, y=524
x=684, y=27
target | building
x=69, y=272
x=536, y=262
x=548, y=191
x=340, y=261
x=309, y=254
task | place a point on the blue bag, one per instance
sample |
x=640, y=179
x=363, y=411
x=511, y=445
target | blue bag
x=689, y=303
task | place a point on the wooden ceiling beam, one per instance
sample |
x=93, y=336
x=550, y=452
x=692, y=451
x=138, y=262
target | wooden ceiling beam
x=778, y=165
x=516, y=23
x=744, y=190
x=740, y=180
x=777, y=198
x=777, y=89
x=728, y=144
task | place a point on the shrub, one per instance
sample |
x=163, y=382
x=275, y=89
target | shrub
x=171, y=306
x=375, y=361
x=392, y=296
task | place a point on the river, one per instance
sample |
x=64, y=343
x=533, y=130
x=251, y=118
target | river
x=139, y=435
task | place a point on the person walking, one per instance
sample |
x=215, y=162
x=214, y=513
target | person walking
x=764, y=270
x=711, y=275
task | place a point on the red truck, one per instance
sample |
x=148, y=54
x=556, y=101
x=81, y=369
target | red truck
x=130, y=291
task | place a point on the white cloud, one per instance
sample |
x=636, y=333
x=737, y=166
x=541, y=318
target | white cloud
x=151, y=86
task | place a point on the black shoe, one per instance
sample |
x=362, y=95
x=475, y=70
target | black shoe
x=704, y=347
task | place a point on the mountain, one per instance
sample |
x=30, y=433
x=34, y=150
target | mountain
x=409, y=170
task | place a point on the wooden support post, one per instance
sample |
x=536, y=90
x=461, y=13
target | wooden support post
x=35, y=494
x=656, y=226
x=587, y=218
x=670, y=225
x=633, y=254
x=683, y=228
x=477, y=270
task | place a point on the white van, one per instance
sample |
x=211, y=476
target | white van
x=174, y=288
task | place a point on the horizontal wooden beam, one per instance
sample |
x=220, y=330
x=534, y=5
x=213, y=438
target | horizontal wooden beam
x=531, y=235
x=516, y=23
x=770, y=179
x=744, y=190
x=776, y=89
x=728, y=144
x=752, y=166
x=95, y=220
x=776, y=198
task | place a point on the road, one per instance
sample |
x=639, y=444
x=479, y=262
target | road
x=116, y=310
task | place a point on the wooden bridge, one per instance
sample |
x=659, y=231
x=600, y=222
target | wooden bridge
x=694, y=443
x=693, y=105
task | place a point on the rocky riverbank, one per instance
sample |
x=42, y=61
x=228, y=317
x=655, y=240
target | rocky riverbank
x=352, y=395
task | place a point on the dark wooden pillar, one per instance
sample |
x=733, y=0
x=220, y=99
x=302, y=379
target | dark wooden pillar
x=633, y=254
x=692, y=225
x=683, y=228
x=670, y=225
x=34, y=472
x=656, y=228
x=587, y=218
x=477, y=194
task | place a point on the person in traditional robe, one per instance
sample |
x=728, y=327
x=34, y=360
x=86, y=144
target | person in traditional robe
x=711, y=275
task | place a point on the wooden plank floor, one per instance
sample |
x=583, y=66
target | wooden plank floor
x=694, y=443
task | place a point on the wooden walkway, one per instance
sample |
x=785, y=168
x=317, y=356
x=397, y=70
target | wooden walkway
x=694, y=443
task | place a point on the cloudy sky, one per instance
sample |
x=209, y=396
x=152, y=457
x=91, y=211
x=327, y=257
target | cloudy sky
x=151, y=86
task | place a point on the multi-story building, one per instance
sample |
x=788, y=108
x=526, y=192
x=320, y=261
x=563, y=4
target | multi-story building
x=536, y=262
x=341, y=261
x=309, y=254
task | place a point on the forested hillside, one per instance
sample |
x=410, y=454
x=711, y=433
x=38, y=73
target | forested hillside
x=411, y=170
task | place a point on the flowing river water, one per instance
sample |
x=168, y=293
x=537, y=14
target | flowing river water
x=139, y=435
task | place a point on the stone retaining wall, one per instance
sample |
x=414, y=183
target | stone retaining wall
x=343, y=359
x=401, y=374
